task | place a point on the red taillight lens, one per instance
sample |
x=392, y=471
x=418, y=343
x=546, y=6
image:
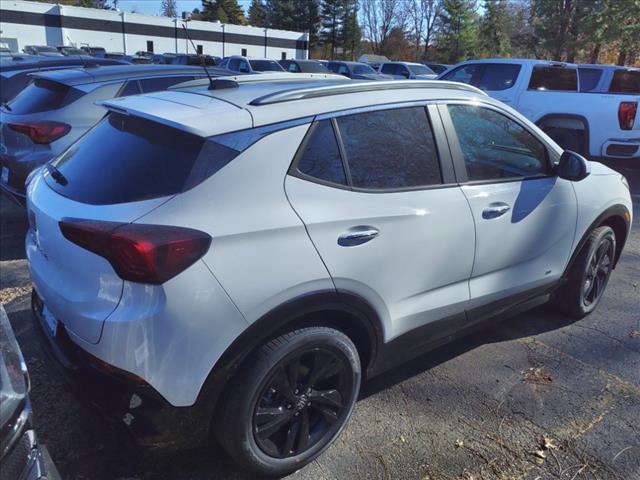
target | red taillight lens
x=137, y=252
x=627, y=114
x=42, y=132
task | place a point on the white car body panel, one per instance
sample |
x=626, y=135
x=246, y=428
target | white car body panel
x=407, y=266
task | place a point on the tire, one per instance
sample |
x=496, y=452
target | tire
x=273, y=428
x=582, y=291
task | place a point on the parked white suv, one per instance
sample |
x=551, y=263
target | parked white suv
x=550, y=95
x=235, y=259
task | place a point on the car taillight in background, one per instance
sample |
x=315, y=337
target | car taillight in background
x=137, y=252
x=627, y=114
x=42, y=132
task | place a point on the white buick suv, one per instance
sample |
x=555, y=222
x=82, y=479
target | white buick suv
x=232, y=259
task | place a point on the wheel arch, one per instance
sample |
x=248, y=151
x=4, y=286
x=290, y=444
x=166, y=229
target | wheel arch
x=556, y=119
x=344, y=311
x=614, y=217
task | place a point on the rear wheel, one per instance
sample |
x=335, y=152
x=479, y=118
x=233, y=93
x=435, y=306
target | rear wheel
x=589, y=274
x=291, y=400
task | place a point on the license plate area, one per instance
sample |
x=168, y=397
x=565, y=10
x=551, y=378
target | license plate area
x=47, y=319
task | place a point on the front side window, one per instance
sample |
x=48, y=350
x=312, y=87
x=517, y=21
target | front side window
x=390, y=149
x=469, y=74
x=554, y=79
x=321, y=157
x=495, y=147
x=389, y=68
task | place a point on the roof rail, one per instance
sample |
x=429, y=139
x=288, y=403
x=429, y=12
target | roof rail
x=359, y=87
x=255, y=78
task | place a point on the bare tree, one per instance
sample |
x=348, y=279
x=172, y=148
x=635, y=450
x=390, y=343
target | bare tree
x=378, y=18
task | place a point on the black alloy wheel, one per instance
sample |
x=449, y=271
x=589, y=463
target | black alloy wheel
x=303, y=402
x=597, y=272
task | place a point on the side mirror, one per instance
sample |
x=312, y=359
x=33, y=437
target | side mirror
x=573, y=166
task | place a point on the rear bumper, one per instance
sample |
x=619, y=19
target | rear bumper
x=621, y=148
x=135, y=407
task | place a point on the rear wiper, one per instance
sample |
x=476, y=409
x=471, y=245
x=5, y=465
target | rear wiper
x=56, y=175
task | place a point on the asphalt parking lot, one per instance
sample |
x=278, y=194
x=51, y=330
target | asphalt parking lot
x=535, y=397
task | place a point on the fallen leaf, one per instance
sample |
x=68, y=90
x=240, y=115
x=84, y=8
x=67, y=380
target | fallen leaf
x=402, y=439
x=634, y=333
x=547, y=443
x=459, y=443
x=536, y=375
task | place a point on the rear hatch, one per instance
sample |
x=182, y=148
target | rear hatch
x=120, y=170
x=25, y=131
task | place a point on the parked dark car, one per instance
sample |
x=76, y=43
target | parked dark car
x=303, y=66
x=60, y=106
x=16, y=74
x=436, y=67
x=21, y=455
x=193, y=59
x=43, y=50
x=356, y=71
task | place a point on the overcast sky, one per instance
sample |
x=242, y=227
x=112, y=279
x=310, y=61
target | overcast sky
x=152, y=7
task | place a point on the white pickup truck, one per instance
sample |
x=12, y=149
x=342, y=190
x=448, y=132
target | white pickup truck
x=602, y=125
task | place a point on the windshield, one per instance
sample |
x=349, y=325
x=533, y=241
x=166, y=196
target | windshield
x=313, y=67
x=265, y=66
x=363, y=70
x=421, y=70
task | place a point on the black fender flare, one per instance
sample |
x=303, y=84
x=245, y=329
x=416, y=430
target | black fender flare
x=571, y=116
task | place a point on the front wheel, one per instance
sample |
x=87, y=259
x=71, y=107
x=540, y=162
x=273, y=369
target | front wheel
x=589, y=274
x=291, y=400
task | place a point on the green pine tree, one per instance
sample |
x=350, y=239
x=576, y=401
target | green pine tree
x=225, y=11
x=494, y=29
x=257, y=14
x=332, y=15
x=457, y=37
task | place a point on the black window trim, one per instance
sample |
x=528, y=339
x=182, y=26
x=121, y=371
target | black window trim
x=443, y=151
x=558, y=67
x=458, y=157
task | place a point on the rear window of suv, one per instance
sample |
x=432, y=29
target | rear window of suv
x=625, y=81
x=127, y=158
x=554, y=79
x=43, y=95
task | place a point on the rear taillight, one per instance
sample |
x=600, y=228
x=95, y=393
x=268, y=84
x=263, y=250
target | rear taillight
x=627, y=114
x=42, y=132
x=137, y=252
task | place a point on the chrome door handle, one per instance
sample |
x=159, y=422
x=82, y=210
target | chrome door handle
x=495, y=210
x=357, y=236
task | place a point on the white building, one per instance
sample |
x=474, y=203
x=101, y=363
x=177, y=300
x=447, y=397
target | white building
x=34, y=23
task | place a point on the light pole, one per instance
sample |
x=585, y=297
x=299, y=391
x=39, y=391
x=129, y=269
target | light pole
x=186, y=21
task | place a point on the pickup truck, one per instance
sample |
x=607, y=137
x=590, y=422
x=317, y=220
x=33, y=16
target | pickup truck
x=602, y=125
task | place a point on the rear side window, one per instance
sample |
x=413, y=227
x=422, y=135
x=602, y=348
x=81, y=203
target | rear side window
x=321, y=157
x=126, y=159
x=589, y=78
x=498, y=76
x=389, y=68
x=625, y=81
x=390, y=149
x=131, y=88
x=554, y=78
x=42, y=96
x=157, y=84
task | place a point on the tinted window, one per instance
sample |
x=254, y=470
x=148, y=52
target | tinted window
x=125, y=159
x=43, y=95
x=234, y=64
x=156, y=84
x=388, y=68
x=343, y=70
x=494, y=146
x=265, y=65
x=131, y=88
x=625, y=81
x=554, y=78
x=363, y=70
x=589, y=78
x=498, y=76
x=390, y=149
x=333, y=67
x=420, y=70
x=321, y=156
x=312, y=67
x=466, y=74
